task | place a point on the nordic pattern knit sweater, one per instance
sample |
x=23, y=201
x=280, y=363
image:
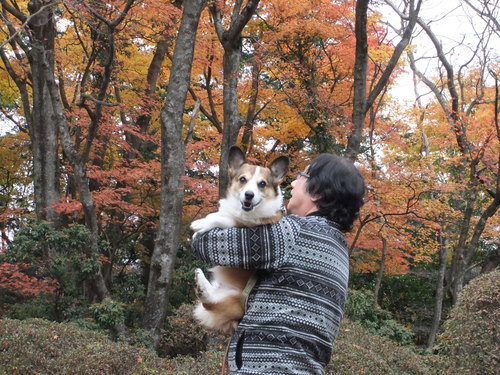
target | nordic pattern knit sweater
x=294, y=310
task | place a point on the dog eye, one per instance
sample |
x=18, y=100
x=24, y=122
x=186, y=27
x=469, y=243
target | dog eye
x=262, y=184
x=243, y=179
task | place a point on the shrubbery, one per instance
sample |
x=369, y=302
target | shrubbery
x=184, y=336
x=360, y=307
x=357, y=351
x=71, y=264
x=40, y=347
x=37, y=346
x=108, y=313
x=471, y=335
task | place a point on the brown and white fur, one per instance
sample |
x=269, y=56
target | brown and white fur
x=253, y=198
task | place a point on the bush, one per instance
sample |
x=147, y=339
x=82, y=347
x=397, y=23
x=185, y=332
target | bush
x=108, y=313
x=38, y=346
x=471, y=335
x=356, y=351
x=184, y=336
x=360, y=307
x=58, y=254
x=206, y=363
x=183, y=284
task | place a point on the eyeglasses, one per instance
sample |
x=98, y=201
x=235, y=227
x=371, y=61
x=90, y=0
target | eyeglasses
x=302, y=174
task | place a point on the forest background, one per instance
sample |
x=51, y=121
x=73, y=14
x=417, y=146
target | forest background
x=122, y=114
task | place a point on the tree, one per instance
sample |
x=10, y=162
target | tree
x=231, y=41
x=478, y=165
x=173, y=156
x=307, y=61
x=38, y=46
x=14, y=279
x=362, y=103
x=15, y=179
x=83, y=123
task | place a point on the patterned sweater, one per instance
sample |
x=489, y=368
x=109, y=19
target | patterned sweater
x=294, y=310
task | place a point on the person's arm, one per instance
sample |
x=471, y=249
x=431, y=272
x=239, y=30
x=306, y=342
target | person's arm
x=261, y=247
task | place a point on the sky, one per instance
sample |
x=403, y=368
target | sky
x=456, y=25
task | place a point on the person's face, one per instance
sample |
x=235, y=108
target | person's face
x=301, y=202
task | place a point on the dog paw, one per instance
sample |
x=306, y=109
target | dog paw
x=201, y=226
x=202, y=285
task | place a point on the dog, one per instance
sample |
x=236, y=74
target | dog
x=253, y=198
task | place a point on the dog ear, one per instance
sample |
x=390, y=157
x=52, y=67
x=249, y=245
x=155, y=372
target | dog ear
x=279, y=167
x=235, y=159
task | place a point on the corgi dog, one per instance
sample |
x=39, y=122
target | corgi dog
x=253, y=197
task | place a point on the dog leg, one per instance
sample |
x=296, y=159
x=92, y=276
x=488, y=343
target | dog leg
x=204, y=289
x=213, y=220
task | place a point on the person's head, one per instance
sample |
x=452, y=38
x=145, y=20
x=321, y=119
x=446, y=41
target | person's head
x=332, y=186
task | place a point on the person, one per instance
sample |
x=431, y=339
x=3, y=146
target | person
x=295, y=308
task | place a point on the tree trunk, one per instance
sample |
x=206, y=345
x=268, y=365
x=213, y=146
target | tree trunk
x=232, y=118
x=143, y=148
x=360, y=72
x=492, y=260
x=43, y=131
x=459, y=265
x=438, y=306
x=82, y=183
x=380, y=273
x=231, y=40
x=172, y=172
x=361, y=104
x=247, y=137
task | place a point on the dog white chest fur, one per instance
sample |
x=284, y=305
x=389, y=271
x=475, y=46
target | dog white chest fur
x=253, y=198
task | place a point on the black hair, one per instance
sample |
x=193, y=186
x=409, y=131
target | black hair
x=340, y=188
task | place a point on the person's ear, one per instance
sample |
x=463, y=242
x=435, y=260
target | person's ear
x=315, y=198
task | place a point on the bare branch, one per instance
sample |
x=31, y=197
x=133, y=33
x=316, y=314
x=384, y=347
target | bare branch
x=487, y=13
x=403, y=43
x=97, y=101
x=22, y=17
x=15, y=12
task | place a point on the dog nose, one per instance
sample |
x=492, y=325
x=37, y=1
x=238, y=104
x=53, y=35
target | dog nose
x=249, y=195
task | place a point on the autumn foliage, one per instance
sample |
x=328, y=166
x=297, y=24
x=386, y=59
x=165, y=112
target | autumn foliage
x=15, y=279
x=431, y=167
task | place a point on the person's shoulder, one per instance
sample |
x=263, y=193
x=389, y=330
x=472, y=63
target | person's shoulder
x=322, y=224
x=293, y=219
x=305, y=220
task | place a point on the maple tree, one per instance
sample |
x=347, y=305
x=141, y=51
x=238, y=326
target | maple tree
x=274, y=76
x=361, y=103
x=475, y=164
x=14, y=279
x=90, y=50
x=15, y=179
x=32, y=53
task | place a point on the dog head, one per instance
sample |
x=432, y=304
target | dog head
x=255, y=188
